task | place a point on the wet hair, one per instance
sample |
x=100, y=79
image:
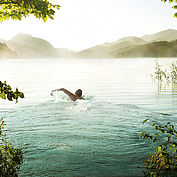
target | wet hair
x=78, y=92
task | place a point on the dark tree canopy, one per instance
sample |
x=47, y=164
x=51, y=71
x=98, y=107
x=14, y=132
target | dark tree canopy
x=174, y=7
x=16, y=9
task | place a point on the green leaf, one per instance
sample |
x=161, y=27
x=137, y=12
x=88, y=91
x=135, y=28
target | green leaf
x=21, y=95
x=144, y=121
x=142, y=133
x=174, y=7
x=3, y=95
x=154, y=140
x=9, y=97
x=17, y=9
x=6, y=91
x=154, y=124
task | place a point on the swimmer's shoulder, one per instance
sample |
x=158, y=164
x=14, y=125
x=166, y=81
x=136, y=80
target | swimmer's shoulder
x=80, y=98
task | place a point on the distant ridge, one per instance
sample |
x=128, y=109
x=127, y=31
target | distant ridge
x=29, y=40
x=107, y=50
x=131, y=39
x=155, y=49
x=166, y=35
x=161, y=44
x=28, y=46
x=5, y=52
x=133, y=47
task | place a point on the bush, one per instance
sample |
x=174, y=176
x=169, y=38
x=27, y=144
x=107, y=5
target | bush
x=163, y=162
x=10, y=157
x=7, y=93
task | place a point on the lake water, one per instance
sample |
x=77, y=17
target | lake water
x=98, y=136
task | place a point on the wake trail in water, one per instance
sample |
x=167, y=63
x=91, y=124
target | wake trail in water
x=91, y=104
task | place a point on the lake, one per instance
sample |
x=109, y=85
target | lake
x=97, y=136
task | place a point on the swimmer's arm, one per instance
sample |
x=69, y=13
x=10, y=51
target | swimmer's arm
x=71, y=95
x=61, y=89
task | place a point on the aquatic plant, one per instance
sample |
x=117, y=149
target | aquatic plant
x=173, y=72
x=10, y=157
x=159, y=75
x=167, y=75
x=162, y=162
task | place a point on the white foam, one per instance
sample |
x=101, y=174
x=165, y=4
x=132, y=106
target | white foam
x=82, y=105
x=59, y=96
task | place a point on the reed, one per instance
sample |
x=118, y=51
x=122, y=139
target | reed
x=165, y=75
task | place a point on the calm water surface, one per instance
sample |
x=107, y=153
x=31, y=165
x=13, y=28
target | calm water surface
x=98, y=136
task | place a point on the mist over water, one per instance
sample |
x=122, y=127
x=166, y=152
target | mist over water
x=97, y=136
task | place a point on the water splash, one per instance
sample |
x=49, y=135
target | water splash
x=80, y=105
x=59, y=96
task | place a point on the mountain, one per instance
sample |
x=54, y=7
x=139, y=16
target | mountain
x=28, y=46
x=154, y=49
x=167, y=35
x=161, y=44
x=131, y=39
x=5, y=52
x=106, y=50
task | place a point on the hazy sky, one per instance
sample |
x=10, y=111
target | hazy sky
x=83, y=23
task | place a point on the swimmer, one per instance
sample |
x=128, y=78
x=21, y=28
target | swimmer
x=73, y=97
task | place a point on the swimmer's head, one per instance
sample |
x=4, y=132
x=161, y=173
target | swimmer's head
x=78, y=92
